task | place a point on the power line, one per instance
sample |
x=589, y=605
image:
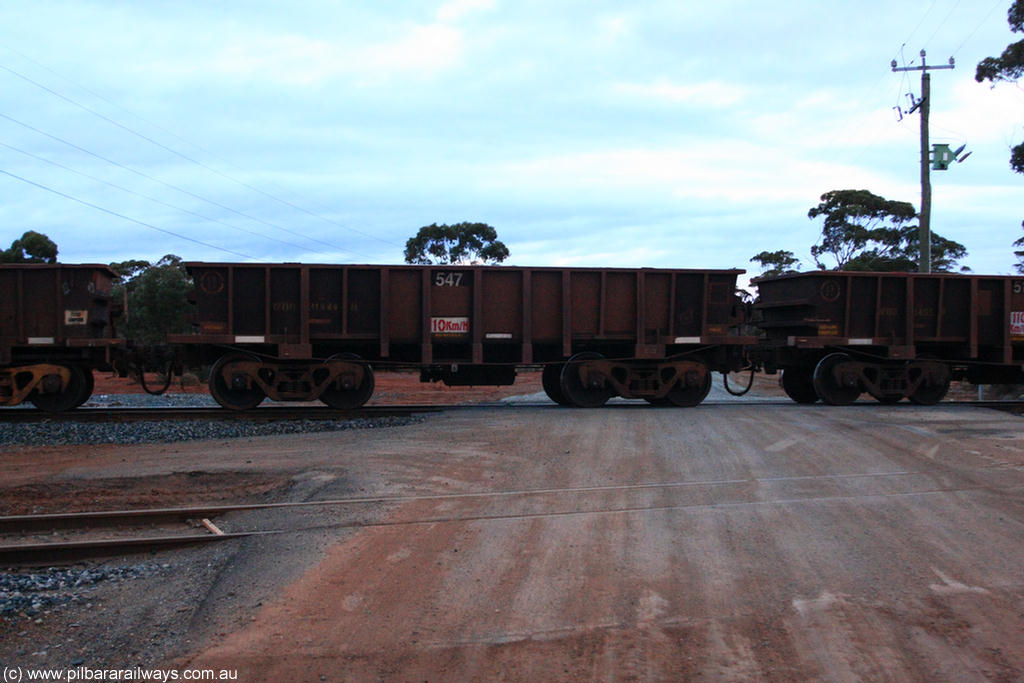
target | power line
x=189, y=159
x=169, y=185
x=919, y=24
x=152, y=199
x=121, y=215
x=941, y=24
x=978, y=27
x=872, y=90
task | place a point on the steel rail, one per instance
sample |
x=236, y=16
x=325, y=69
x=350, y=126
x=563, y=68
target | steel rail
x=276, y=412
x=44, y=553
x=268, y=413
x=64, y=520
x=40, y=554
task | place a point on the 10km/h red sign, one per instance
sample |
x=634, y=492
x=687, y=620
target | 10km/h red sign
x=449, y=326
x=1017, y=323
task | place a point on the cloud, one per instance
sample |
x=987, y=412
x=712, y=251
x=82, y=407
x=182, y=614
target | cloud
x=713, y=94
x=456, y=10
x=425, y=50
x=725, y=170
x=613, y=27
x=980, y=113
x=413, y=50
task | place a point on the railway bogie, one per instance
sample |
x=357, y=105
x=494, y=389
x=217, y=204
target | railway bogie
x=240, y=382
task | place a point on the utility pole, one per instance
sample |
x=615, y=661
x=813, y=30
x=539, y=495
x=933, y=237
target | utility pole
x=924, y=264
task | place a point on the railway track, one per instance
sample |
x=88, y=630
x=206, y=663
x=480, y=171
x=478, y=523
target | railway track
x=268, y=413
x=70, y=537
x=286, y=412
x=75, y=536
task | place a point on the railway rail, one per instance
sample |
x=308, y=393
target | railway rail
x=77, y=536
x=270, y=413
x=135, y=526
x=267, y=413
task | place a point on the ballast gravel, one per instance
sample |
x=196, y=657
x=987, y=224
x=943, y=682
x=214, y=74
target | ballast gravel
x=28, y=594
x=91, y=433
x=68, y=433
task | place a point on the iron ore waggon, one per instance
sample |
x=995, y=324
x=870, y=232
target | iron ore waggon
x=305, y=332
x=836, y=335
x=56, y=326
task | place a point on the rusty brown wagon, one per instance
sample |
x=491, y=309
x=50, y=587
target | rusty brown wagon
x=56, y=326
x=304, y=332
x=836, y=335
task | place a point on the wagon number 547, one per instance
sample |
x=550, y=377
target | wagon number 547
x=1018, y=286
x=443, y=279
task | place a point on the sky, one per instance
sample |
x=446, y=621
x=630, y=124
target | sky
x=674, y=134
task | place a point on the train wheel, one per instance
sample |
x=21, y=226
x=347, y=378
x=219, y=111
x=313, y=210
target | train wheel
x=350, y=399
x=798, y=383
x=87, y=388
x=75, y=393
x=551, y=380
x=929, y=395
x=828, y=387
x=236, y=393
x=686, y=397
x=592, y=395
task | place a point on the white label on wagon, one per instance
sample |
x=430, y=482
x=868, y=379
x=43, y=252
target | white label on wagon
x=1017, y=323
x=449, y=326
x=40, y=340
x=75, y=317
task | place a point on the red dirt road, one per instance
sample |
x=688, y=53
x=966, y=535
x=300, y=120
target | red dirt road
x=722, y=543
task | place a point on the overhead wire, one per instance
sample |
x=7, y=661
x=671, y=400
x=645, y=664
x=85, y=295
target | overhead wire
x=919, y=24
x=121, y=215
x=942, y=23
x=189, y=159
x=981, y=23
x=904, y=79
x=166, y=184
x=874, y=88
x=152, y=199
x=958, y=135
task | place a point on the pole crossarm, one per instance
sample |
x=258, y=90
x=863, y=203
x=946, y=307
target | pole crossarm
x=924, y=65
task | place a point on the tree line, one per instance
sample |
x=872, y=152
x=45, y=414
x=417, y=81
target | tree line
x=863, y=231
